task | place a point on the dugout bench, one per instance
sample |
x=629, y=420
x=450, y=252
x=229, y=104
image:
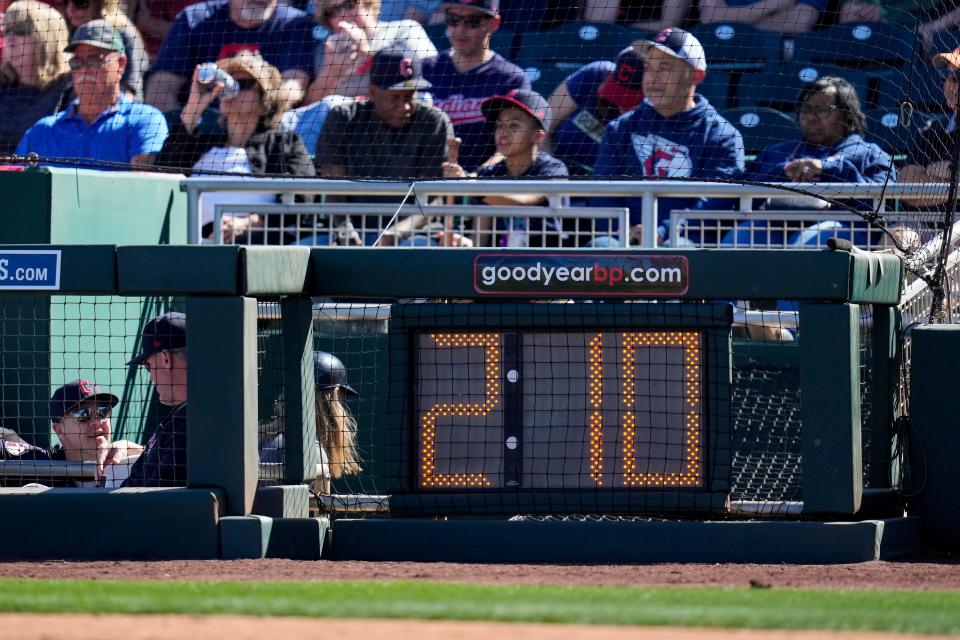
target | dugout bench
x=850, y=508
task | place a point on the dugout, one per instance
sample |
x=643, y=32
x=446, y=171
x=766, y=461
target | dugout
x=847, y=508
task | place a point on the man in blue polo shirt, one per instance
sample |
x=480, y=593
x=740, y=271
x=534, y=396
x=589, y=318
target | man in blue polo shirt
x=210, y=31
x=102, y=126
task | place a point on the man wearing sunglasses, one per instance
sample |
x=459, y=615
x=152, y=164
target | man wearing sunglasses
x=469, y=73
x=102, y=125
x=80, y=414
x=164, y=355
x=208, y=31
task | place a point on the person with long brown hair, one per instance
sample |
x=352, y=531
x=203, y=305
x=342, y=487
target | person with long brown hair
x=34, y=77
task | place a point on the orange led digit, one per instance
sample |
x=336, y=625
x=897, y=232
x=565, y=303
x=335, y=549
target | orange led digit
x=490, y=342
x=595, y=399
x=690, y=476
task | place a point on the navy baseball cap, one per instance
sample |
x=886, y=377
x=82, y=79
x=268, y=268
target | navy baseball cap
x=679, y=44
x=397, y=69
x=532, y=102
x=329, y=372
x=163, y=333
x=73, y=393
x=489, y=7
x=624, y=87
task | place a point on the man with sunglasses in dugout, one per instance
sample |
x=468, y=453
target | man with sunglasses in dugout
x=163, y=354
x=102, y=124
x=80, y=415
x=282, y=34
x=469, y=73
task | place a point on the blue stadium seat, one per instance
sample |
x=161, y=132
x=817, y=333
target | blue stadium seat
x=502, y=40
x=781, y=87
x=923, y=85
x=888, y=129
x=945, y=40
x=738, y=46
x=861, y=46
x=718, y=88
x=574, y=44
x=762, y=127
x=547, y=78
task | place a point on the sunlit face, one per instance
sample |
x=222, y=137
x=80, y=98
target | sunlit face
x=161, y=367
x=96, y=72
x=81, y=439
x=394, y=106
x=516, y=133
x=246, y=106
x=19, y=51
x=668, y=82
x=821, y=120
x=469, y=30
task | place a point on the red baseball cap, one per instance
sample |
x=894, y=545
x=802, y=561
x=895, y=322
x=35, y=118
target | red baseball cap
x=624, y=86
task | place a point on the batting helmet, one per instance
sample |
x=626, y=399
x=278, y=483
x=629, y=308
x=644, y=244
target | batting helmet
x=329, y=372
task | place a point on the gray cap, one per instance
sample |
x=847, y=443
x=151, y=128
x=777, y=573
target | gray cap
x=96, y=33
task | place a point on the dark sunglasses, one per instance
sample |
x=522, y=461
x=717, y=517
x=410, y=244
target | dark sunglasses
x=78, y=4
x=333, y=10
x=86, y=413
x=470, y=22
x=94, y=62
x=248, y=83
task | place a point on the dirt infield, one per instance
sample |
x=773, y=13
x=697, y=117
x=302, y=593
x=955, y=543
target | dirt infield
x=924, y=574
x=122, y=627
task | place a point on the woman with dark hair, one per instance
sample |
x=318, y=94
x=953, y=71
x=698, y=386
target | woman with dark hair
x=250, y=143
x=832, y=150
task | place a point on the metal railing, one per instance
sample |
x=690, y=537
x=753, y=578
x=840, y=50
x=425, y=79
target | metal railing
x=648, y=191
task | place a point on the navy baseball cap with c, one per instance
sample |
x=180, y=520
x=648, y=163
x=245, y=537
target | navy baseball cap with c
x=329, y=372
x=489, y=7
x=164, y=333
x=679, y=44
x=624, y=86
x=534, y=104
x=397, y=70
x=73, y=393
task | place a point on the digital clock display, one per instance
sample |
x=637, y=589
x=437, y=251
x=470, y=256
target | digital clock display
x=557, y=409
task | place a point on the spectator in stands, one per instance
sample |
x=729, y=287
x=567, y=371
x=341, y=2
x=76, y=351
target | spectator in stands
x=102, y=125
x=674, y=133
x=930, y=154
x=639, y=14
x=519, y=118
x=781, y=16
x=469, y=73
x=154, y=19
x=80, y=416
x=583, y=104
x=163, y=354
x=216, y=29
x=250, y=143
x=34, y=77
x=79, y=12
x=357, y=34
x=419, y=10
x=336, y=428
x=390, y=135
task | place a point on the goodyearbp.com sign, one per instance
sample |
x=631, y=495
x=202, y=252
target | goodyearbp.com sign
x=596, y=275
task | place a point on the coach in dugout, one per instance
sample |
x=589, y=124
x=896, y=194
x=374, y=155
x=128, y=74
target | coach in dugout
x=674, y=133
x=80, y=415
x=164, y=355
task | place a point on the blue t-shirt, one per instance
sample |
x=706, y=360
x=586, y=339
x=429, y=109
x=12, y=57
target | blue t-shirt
x=544, y=166
x=576, y=139
x=697, y=144
x=117, y=135
x=204, y=31
x=460, y=94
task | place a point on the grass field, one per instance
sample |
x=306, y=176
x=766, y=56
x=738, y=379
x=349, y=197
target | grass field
x=862, y=610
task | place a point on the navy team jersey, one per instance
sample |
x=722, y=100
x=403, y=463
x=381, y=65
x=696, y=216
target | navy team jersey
x=697, y=144
x=544, y=166
x=460, y=94
x=163, y=462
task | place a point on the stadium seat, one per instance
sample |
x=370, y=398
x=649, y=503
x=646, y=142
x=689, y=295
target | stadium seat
x=860, y=46
x=945, y=40
x=574, y=44
x=923, y=85
x=546, y=79
x=738, y=46
x=888, y=129
x=717, y=88
x=762, y=127
x=502, y=40
x=781, y=87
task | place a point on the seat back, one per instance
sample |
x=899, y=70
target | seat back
x=574, y=44
x=738, y=46
x=859, y=46
x=762, y=127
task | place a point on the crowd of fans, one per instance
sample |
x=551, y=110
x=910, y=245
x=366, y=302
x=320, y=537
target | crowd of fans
x=357, y=89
